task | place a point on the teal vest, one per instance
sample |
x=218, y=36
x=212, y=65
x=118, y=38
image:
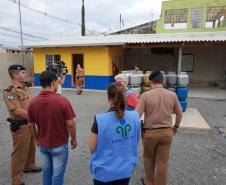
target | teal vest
x=116, y=153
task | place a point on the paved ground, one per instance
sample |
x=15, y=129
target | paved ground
x=197, y=157
x=207, y=92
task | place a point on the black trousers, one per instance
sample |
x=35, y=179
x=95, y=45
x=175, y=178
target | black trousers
x=116, y=182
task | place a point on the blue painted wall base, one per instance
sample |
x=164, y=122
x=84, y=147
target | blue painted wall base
x=91, y=82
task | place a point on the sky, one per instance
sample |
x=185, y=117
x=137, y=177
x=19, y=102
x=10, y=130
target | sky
x=102, y=16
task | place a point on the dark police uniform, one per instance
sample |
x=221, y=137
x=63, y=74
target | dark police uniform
x=24, y=145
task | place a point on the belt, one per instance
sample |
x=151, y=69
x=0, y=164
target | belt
x=156, y=128
x=23, y=122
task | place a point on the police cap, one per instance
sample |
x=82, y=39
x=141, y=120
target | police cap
x=16, y=67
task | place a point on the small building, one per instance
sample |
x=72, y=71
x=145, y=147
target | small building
x=10, y=56
x=202, y=55
x=12, y=50
x=146, y=28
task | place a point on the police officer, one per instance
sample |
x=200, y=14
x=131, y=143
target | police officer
x=17, y=98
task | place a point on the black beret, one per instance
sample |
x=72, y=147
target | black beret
x=16, y=67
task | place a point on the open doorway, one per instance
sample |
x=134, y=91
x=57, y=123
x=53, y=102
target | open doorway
x=76, y=59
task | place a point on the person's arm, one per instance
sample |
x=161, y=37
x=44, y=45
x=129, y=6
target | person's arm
x=141, y=105
x=33, y=130
x=61, y=79
x=31, y=123
x=178, y=111
x=20, y=113
x=92, y=141
x=93, y=136
x=76, y=74
x=71, y=127
x=69, y=116
x=13, y=105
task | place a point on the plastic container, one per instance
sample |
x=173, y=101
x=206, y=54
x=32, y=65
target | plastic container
x=182, y=93
x=184, y=105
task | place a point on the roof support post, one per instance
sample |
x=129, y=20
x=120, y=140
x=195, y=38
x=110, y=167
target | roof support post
x=179, y=60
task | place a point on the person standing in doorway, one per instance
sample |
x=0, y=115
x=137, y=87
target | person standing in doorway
x=17, y=98
x=158, y=105
x=79, y=78
x=51, y=119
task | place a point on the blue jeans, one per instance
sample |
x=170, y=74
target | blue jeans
x=54, y=161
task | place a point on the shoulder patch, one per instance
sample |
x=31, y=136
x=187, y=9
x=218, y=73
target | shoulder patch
x=10, y=97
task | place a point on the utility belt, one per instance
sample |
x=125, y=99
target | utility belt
x=15, y=124
x=143, y=130
x=159, y=128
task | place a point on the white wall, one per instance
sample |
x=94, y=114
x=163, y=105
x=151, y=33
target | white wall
x=8, y=59
x=209, y=64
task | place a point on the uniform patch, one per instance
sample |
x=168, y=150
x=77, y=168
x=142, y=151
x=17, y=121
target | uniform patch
x=10, y=98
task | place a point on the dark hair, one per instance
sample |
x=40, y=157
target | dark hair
x=46, y=78
x=12, y=72
x=156, y=77
x=116, y=92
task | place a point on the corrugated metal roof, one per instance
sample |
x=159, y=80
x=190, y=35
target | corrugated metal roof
x=111, y=40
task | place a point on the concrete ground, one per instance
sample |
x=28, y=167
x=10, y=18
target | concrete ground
x=197, y=157
x=207, y=92
x=192, y=119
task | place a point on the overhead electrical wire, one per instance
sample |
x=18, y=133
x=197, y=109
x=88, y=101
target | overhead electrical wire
x=25, y=34
x=92, y=32
x=44, y=13
x=49, y=15
x=8, y=35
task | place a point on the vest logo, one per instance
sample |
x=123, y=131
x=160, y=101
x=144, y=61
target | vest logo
x=124, y=129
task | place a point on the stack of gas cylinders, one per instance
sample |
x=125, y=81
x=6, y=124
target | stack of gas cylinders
x=182, y=89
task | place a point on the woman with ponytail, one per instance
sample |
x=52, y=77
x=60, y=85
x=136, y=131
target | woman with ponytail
x=114, y=140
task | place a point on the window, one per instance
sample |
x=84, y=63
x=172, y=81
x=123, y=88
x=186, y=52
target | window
x=196, y=17
x=216, y=17
x=52, y=58
x=176, y=19
x=187, y=64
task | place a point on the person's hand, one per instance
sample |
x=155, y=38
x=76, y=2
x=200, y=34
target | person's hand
x=175, y=130
x=64, y=72
x=74, y=143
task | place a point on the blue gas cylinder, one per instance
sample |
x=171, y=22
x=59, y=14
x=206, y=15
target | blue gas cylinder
x=184, y=105
x=182, y=93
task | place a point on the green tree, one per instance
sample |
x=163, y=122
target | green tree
x=83, y=27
